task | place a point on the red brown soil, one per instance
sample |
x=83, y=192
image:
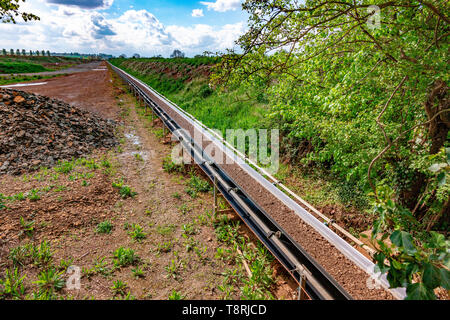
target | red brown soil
x=57, y=212
x=349, y=276
x=97, y=97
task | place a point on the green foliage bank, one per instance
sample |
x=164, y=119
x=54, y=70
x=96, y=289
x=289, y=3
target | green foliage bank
x=363, y=90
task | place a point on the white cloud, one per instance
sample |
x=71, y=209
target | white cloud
x=196, y=13
x=75, y=29
x=202, y=37
x=222, y=5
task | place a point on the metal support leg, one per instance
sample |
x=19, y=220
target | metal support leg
x=301, y=288
x=215, y=196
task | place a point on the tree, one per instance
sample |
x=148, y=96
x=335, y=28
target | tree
x=136, y=56
x=4, y=52
x=48, y=53
x=11, y=52
x=31, y=53
x=9, y=11
x=17, y=52
x=123, y=55
x=24, y=53
x=363, y=91
x=177, y=54
x=43, y=53
x=37, y=53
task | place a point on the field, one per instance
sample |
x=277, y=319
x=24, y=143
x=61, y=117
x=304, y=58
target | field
x=27, y=64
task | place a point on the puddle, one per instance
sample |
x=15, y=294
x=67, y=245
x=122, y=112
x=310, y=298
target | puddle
x=144, y=155
x=23, y=85
x=133, y=138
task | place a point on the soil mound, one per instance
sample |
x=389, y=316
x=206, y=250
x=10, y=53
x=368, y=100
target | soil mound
x=37, y=131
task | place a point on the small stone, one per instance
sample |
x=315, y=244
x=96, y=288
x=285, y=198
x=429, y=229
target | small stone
x=19, y=99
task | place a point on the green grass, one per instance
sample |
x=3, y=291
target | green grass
x=217, y=110
x=20, y=67
x=24, y=79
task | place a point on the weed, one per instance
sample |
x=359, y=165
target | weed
x=165, y=229
x=33, y=195
x=65, y=167
x=27, y=227
x=29, y=253
x=50, y=280
x=183, y=209
x=198, y=184
x=170, y=167
x=138, y=272
x=172, y=269
x=19, y=196
x=124, y=191
x=189, y=229
x=105, y=163
x=11, y=286
x=2, y=204
x=176, y=295
x=64, y=264
x=60, y=188
x=125, y=257
x=104, y=227
x=164, y=247
x=176, y=195
x=137, y=232
x=101, y=267
x=191, y=192
x=119, y=287
x=227, y=290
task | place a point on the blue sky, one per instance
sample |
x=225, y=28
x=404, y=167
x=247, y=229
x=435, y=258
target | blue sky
x=128, y=26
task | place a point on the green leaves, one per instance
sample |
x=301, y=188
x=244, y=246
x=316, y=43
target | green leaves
x=404, y=241
x=431, y=276
x=418, y=291
x=445, y=278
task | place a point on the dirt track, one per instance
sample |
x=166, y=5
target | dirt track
x=90, y=88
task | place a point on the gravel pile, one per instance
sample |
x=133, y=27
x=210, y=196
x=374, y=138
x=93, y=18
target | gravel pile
x=37, y=131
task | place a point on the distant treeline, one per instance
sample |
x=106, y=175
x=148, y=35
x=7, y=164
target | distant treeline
x=24, y=52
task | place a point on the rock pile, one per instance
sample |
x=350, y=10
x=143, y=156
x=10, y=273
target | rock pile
x=37, y=131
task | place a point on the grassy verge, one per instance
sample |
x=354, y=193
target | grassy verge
x=186, y=82
x=34, y=64
x=20, y=67
x=20, y=79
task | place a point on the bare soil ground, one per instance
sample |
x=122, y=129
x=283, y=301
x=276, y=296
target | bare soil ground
x=90, y=88
x=176, y=239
